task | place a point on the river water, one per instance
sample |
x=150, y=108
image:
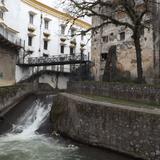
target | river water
x=24, y=141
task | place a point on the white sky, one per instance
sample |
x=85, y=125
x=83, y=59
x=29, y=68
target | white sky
x=57, y=4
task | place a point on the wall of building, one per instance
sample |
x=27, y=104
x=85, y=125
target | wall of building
x=56, y=81
x=109, y=36
x=156, y=38
x=7, y=65
x=128, y=130
x=19, y=11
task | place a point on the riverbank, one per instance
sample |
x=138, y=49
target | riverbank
x=130, y=130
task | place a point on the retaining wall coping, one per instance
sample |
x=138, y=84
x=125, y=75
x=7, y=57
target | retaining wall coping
x=107, y=104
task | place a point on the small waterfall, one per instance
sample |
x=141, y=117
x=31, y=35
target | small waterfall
x=29, y=123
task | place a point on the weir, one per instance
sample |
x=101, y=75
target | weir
x=26, y=134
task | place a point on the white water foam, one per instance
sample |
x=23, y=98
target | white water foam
x=30, y=122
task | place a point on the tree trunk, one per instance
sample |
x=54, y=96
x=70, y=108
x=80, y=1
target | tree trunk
x=136, y=38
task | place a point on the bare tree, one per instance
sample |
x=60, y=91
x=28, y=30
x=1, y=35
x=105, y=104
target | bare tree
x=133, y=11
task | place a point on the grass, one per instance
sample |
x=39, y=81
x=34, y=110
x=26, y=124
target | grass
x=122, y=102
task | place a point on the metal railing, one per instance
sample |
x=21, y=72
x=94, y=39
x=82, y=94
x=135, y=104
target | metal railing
x=54, y=60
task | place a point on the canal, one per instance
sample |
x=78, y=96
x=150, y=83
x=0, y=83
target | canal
x=26, y=134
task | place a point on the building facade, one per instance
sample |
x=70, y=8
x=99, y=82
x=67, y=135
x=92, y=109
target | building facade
x=46, y=32
x=117, y=39
x=10, y=45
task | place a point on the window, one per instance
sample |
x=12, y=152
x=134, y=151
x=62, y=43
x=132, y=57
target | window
x=112, y=37
x=105, y=39
x=62, y=48
x=45, y=45
x=30, y=39
x=122, y=36
x=82, y=37
x=103, y=56
x=46, y=24
x=73, y=30
x=1, y=15
x=2, y=1
x=72, y=50
x=82, y=51
x=63, y=28
x=31, y=18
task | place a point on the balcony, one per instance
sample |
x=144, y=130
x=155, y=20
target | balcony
x=63, y=38
x=9, y=38
x=73, y=42
x=46, y=33
x=82, y=45
x=3, y=7
x=30, y=49
x=31, y=28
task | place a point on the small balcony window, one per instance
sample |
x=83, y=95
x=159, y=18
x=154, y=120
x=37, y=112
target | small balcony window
x=45, y=45
x=30, y=40
x=62, y=49
x=73, y=32
x=31, y=18
x=72, y=51
x=46, y=24
x=63, y=28
x=1, y=15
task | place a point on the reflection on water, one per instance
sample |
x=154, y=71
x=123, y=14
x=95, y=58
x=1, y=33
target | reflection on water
x=24, y=143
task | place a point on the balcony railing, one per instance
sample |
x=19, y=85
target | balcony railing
x=54, y=60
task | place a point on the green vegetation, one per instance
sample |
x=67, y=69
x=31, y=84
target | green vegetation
x=129, y=83
x=122, y=102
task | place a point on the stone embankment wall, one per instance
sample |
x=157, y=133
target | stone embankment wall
x=142, y=93
x=11, y=95
x=128, y=130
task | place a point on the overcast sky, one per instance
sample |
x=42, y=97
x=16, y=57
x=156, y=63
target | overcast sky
x=57, y=4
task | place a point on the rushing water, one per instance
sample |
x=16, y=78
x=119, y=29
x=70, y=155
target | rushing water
x=23, y=142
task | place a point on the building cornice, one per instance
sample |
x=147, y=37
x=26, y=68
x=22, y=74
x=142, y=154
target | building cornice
x=56, y=13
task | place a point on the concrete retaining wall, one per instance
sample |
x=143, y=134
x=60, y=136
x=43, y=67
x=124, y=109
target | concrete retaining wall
x=141, y=93
x=11, y=95
x=129, y=130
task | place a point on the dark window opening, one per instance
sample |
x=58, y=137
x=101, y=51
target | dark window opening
x=46, y=24
x=30, y=39
x=122, y=36
x=103, y=56
x=105, y=39
x=45, y=55
x=1, y=15
x=73, y=30
x=72, y=51
x=62, y=48
x=45, y=45
x=31, y=18
x=63, y=27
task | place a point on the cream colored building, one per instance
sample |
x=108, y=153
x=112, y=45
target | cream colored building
x=44, y=29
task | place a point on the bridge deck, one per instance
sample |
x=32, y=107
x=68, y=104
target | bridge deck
x=54, y=60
